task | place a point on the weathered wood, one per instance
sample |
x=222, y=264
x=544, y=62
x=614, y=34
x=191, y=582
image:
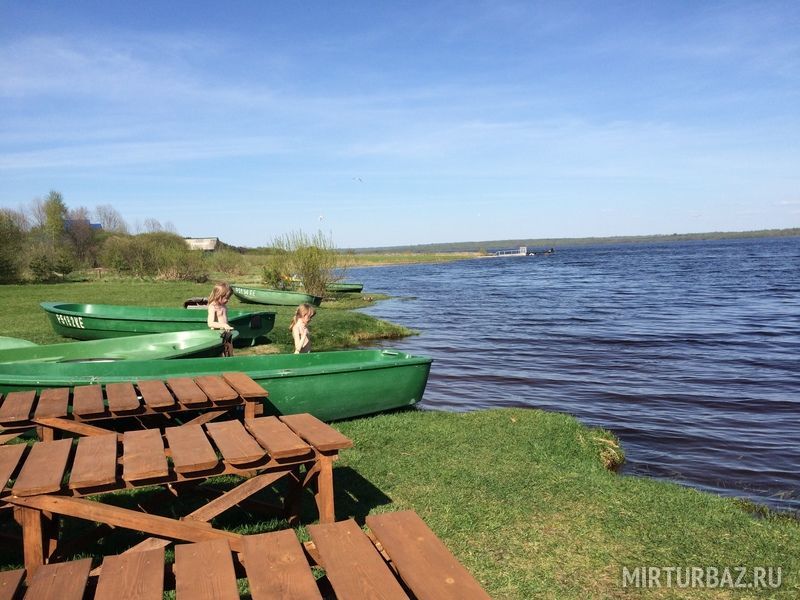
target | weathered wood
x=204, y=571
x=143, y=455
x=155, y=394
x=10, y=583
x=60, y=581
x=122, y=397
x=32, y=537
x=233, y=497
x=43, y=468
x=277, y=438
x=352, y=564
x=236, y=446
x=320, y=435
x=244, y=385
x=17, y=406
x=191, y=450
x=9, y=459
x=186, y=391
x=87, y=400
x=216, y=388
x=95, y=462
x=53, y=402
x=137, y=575
x=424, y=563
x=277, y=568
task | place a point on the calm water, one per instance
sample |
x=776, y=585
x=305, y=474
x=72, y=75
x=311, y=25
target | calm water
x=689, y=352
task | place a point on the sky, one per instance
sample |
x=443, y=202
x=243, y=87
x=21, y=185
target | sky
x=407, y=122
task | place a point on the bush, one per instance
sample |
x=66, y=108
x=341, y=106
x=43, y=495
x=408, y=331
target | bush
x=228, y=262
x=159, y=254
x=313, y=259
x=42, y=266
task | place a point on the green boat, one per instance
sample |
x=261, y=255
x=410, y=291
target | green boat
x=345, y=287
x=12, y=342
x=269, y=296
x=100, y=321
x=178, y=344
x=329, y=385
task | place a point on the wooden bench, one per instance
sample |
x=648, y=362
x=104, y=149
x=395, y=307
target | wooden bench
x=79, y=409
x=51, y=479
x=402, y=558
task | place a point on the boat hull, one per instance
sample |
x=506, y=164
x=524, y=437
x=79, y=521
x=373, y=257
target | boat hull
x=181, y=344
x=101, y=321
x=12, y=342
x=345, y=287
x=329, y=385
x=276, y=297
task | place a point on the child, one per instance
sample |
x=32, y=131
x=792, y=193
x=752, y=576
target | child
x=218, y=315
x=299, y=328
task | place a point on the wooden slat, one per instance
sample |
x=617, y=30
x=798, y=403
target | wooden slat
x=352, y=564
x=191, y=450
x=277, y=568
x=204, y=571
x=9, y=459
x=60, y=581
x=155, y=394
x=95, y=462
x=52, y=403
x=320, y=435
x=143, y=455
x=43, y=469
x=216, y=389
x=138, y=575
x=424, y=563
x=186, y=391
x=277, y=438
x=233, y=441
x=17, y=406
x=122, y=397
x=10, y=583
x=244, y=385
x=88, y=400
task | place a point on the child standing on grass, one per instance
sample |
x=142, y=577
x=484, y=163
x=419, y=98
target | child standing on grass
x=299, y=328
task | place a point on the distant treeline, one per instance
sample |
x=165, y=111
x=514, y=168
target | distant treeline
x=489, y=245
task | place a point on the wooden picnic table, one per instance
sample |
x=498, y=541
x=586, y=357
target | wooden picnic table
x=51, y=479
x=399, y=558
x=80, y=409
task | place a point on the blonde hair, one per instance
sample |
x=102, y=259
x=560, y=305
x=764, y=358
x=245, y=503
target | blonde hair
x=305, y=309
x=221, y=291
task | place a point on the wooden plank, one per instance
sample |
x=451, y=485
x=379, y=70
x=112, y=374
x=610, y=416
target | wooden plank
x=204, y=571
x=53, y=402
x=143, y=455
x=88, y=400
x=352, y=564
x=77, y=427
x=236, y=446
x=60, y=581
x=424, y=563
x=191, y=450
x=9, y=459
x=137, y=575
x=10, y=583
x=277, y=438
x=216, y=388
x=17, y=406
x=277, y=568
x=186, y=391
x=122, y=397
x=245, y=386
x=43, y=469
x=95, y=462
x=320, y=435
x=155, y=394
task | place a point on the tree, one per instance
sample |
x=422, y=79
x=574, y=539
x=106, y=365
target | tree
x=55, y=214
x=82, y=235
x=110, y=220
x=12, y=234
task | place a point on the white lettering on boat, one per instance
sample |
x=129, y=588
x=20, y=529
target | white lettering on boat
x=70, y=321
x=245, y=292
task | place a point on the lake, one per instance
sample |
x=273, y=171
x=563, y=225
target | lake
x=688, y=351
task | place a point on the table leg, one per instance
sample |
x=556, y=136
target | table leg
x=324, y=489
x=32, y=537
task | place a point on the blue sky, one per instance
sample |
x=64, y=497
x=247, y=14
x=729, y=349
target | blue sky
x=387, y=123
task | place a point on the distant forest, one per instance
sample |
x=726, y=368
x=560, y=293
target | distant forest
x=543, y=243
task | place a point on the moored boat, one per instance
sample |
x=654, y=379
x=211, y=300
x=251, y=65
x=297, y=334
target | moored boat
x=179, y=344
x=345, y=287
x=329, y=385
x=12, y=342
x=270, y=296
x=100, y=321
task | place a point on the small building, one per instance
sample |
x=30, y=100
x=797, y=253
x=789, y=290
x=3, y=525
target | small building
x=208, y=244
